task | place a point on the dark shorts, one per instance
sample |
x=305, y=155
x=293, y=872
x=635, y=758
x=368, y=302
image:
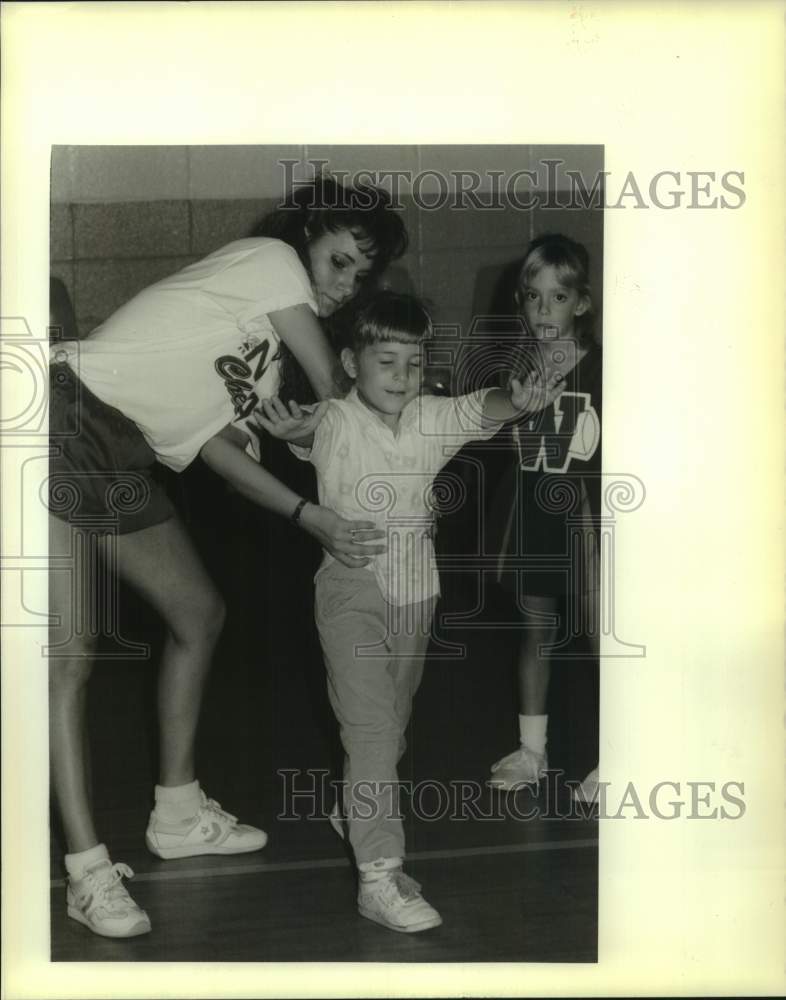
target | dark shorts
x=100, y=466
x=537, y=549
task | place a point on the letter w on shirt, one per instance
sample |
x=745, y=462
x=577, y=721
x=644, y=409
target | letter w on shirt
x=568, y=430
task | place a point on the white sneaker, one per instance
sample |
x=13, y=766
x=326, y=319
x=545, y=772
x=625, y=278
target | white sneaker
x=211, y=831
x=587, y=791
x=520, y=768
x=394, y=901
x=100, y=901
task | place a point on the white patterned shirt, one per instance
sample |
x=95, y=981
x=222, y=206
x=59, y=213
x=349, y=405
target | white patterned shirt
x=366, y=471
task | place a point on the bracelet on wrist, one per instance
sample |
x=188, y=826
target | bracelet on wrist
x=295, y=515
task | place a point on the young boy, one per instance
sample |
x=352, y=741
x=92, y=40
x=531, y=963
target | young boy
x=376, y=454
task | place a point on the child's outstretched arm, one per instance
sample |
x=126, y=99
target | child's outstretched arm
x=346, y=540
x=528, y=395
x=295, y=425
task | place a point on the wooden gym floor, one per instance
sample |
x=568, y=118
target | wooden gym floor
x=510, y=887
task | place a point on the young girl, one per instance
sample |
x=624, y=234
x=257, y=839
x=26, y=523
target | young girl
x=173, y=374
x=379, y=450
x=557, y=456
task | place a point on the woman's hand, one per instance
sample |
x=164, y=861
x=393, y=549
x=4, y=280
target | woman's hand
x=294, y=424
x=347, y=541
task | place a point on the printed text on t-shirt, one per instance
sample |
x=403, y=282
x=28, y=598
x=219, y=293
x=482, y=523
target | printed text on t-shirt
x=240, y=377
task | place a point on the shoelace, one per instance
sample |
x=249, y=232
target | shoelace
x=215, y=808
x=518, y=756
x=104, y=886
x=408, y=888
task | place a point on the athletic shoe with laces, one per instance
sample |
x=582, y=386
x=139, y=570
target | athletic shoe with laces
x=394, y=900
x=100, y=901
x=520, y=768
x=587, y=791
x=211, y=831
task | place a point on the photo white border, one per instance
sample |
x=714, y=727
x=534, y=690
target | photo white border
x=693, y=391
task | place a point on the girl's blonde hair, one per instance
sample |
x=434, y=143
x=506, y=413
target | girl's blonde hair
x=571, y=261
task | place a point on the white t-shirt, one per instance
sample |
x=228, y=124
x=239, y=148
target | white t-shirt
x=365, y=472
x=195, y=351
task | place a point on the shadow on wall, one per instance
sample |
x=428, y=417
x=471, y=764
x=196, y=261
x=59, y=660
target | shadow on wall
x=62, y=320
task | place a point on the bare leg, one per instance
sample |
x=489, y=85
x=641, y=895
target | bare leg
x=591, y=612
x=162, y=564
x=524, y=766
x=590, y=602
x=534, y=667
x=68, y=676
x=590, y=597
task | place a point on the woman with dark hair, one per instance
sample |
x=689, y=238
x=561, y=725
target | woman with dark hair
x=317, y=210
x=175, y=373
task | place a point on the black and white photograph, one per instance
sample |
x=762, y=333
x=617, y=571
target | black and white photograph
x=391, y=441
x=445, y=302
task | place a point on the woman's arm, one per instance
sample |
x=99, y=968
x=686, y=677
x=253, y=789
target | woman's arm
x=301, y=331
x=225, y=455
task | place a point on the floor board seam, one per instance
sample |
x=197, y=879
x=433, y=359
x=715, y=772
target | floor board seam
x=342, y=862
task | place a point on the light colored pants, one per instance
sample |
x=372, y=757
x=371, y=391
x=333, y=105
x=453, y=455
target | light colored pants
x=374, y=654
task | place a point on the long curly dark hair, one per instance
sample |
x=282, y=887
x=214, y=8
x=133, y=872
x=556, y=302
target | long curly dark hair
x=308, y=212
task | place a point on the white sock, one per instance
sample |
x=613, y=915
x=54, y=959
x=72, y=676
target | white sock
x=532, y=730
x=372, y=871
x=178, y=802
x=77, y=864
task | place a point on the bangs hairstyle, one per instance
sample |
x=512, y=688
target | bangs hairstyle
x=571, y=262
x=390, y=316
x=325, y=206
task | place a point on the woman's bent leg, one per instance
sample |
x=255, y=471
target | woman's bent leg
x=95, y=894
x=71, y=653
x=163, y=565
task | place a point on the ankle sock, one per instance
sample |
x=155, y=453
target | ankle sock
x=372, y=871
x=532, y=730
x=177, y=803
x=76, y=864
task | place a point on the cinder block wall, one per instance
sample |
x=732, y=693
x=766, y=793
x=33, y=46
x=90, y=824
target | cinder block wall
x=106, y=253
x=123, y=217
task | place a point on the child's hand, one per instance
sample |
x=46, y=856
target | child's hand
x=288, y=424
x=536, y=391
